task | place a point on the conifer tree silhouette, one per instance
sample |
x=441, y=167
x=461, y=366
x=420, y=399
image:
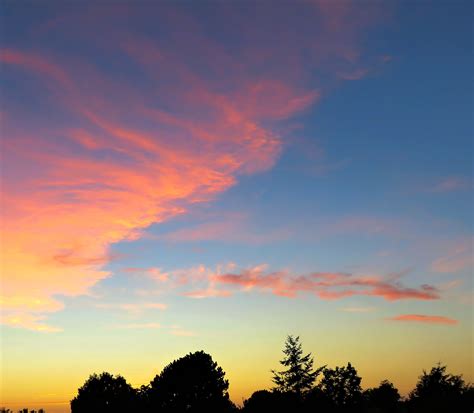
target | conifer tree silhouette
x=299, y=375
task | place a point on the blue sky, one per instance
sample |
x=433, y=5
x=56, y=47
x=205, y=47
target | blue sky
x=214, y=175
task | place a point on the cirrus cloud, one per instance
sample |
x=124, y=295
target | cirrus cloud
x=96, y=152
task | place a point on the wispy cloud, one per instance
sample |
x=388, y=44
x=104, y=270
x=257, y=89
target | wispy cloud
x=140, y=326
x=29, y=321
x=328, y=286
x=28, y=312
x=358, y=309
x=228, y=279
x=180, y=332
x=133, y=308
x=427, y=319
x=451, y=184
x=457, y=258
x=121, y=150
x=173, y=330
x=228, y=227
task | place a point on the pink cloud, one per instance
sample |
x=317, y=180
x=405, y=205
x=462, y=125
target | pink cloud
x=225, y=280
x=206, y=293
x=428, y=319
x=37, y=64
x=328, y=286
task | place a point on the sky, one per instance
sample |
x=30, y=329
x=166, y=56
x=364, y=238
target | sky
x=215, y=175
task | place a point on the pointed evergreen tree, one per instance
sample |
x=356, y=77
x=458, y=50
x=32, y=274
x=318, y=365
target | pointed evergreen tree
x=299, y=376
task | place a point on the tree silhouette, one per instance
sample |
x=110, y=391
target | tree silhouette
x=194, y=383
x=299, y=376
x=104, y=393
x=438, y=391
x=385, y=398
x=342, y=386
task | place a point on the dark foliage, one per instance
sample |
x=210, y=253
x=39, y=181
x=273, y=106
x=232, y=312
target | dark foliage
x=384, y=398
x=342, y=387
x=194, y=383
x=439, y=392
x=104, y=393
x=272, y=401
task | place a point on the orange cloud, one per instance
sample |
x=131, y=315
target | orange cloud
x=429, y=319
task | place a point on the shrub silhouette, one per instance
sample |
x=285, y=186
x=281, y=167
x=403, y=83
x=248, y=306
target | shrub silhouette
x=193, y=383
x=104, y=393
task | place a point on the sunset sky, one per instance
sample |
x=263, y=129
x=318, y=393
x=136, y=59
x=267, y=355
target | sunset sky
x=215, y=175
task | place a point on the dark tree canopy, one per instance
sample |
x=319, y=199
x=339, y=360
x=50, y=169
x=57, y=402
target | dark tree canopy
x=272, y=401
x=194, y=383
x=342, y=386
x=439, y=391
x=104, y=393
x=385, y=397
x=299, y=375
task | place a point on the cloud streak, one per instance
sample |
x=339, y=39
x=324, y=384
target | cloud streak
x=451, y=184
x=456, y=258
x=228, y=279
x=426, y=319
x=327, y=286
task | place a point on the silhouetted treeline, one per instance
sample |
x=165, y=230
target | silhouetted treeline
x=5, y=410
x=196, y=384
